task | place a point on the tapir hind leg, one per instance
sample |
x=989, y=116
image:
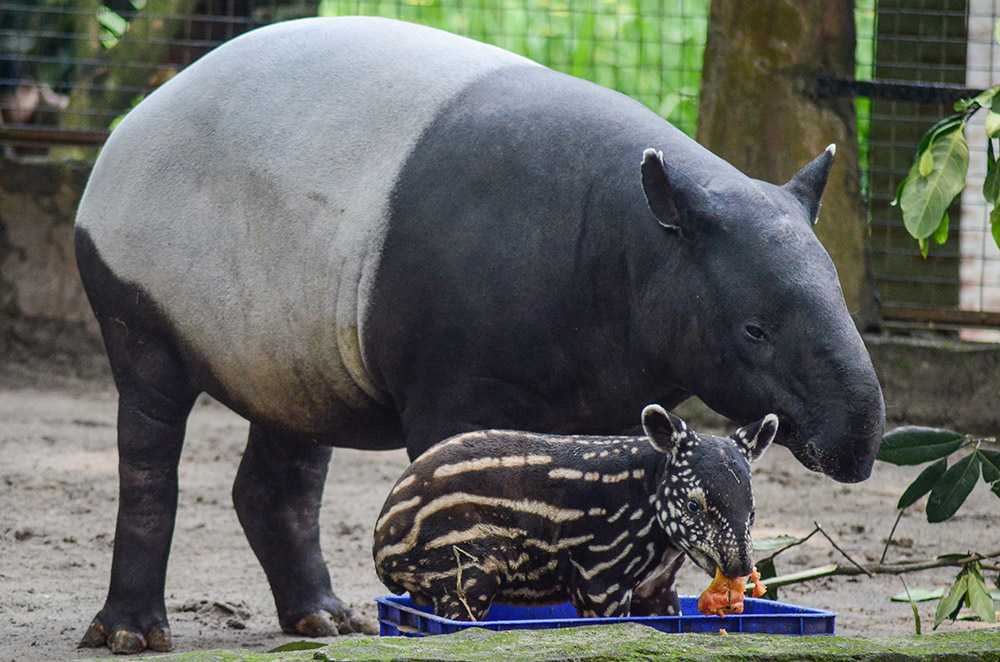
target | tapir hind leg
x=277, y=494
x=155, y=398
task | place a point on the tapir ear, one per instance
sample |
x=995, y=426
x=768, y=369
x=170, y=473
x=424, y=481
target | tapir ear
x=807, y=185
x=659, y=192
x=665, y=431
x=754, y=439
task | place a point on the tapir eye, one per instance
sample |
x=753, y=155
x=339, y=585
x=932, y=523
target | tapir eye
x=755, y=332
x=693, y=507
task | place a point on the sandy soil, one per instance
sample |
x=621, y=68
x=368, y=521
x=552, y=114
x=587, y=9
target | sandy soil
x=58, y=494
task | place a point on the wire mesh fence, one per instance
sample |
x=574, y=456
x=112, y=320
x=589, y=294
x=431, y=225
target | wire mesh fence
x=948, y=47
x=68, y=69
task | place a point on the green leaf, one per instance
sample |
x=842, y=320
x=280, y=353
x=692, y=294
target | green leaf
x=913, y=444
x=979, y=596
x=995, y=224
x=925, y=199
x=941, y=234
x=913, y=606
x=992, y=124
x=926, y=163
x=113, y=22
x=952, y=556
x=953, y=488
x=761, y=545
x=923, y=484
x=985, y=98
x=991, y=185
x=918, y=594
x=963, y=105
x=947, y=124
x=991, y=464
x=949, y=605
x=924, y=246
x=899, y=193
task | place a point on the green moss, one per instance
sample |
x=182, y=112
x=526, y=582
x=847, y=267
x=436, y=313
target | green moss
x=630, y=642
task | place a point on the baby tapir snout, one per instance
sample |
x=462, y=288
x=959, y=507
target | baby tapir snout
x=555, y=518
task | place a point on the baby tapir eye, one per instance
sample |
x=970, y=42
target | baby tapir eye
x=693, y=507
x=754, y=332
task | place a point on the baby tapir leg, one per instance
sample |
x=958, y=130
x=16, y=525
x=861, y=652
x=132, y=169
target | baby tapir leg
x=597, y=600
x=155, y=399
x=467, y=596
x=657, y=596
x=277, y=494
x=460, y=581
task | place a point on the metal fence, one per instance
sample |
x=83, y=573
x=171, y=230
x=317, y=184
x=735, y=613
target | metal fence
x=68, y=69
x=933, y=52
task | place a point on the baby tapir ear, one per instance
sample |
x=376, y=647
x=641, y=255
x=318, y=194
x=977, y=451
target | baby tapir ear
x=665, y=431
x=754, y=439
x=807, y=185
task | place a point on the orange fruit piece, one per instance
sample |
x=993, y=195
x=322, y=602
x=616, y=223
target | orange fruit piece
x=725, y=594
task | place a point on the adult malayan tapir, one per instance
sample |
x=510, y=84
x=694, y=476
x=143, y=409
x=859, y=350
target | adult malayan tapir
x=364, y=233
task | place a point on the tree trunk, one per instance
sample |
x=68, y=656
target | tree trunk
x=759, y=111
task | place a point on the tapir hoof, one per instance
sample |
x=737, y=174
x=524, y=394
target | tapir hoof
x=126, y=641
x=326, y=624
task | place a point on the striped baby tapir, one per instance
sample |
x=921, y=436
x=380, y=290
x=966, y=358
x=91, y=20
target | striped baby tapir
x=534, y=519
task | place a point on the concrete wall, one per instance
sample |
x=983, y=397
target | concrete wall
x=44, y=312
x=42, y=302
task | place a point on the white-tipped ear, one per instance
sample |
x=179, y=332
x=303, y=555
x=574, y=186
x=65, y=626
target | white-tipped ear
x=665, y=431
x=754, y=439
x=659, y=193
x=807, y=185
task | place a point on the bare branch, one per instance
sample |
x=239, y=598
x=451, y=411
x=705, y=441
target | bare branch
x=789, y=546
x=915, y=566
x=842, y=552
x=889, y=539
x=873, y=569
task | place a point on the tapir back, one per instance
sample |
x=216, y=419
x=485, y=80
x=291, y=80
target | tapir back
x=261, y=175
x=317, y=206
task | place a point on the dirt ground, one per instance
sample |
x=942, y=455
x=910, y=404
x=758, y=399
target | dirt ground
x=58, y=499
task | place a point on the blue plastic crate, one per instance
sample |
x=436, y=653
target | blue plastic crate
x=398, y=616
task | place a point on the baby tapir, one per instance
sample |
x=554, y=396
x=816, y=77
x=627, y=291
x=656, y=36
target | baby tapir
x=556, y=518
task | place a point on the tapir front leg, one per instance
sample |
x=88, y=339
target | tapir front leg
x=277, y=493
x=657, y=596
